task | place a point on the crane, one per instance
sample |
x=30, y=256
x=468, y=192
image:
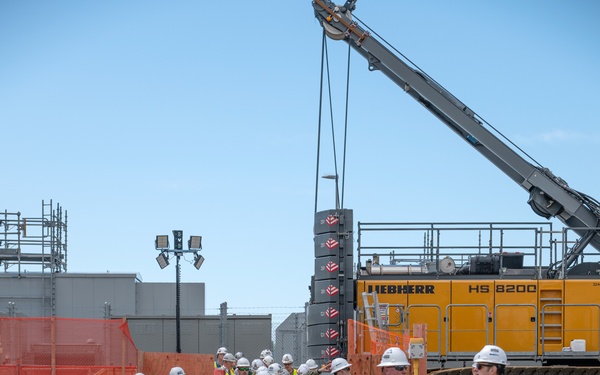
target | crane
x=549, y=195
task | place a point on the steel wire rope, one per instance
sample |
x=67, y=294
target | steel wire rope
x=319, y=121
x=325, y=70
x=345, y=128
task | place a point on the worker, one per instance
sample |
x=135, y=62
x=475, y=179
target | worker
x=313, y=367
x=268, y=361
x=256, y=364
x=219, y=356
x=394, y=361
x=242, y=367
x=302, y=369
x=491, y=360
x=237, y=356
x=288, y=364
x=228, y=364
x=275, y=369
x=176, y=371
x=340, y=365
x=474, y=370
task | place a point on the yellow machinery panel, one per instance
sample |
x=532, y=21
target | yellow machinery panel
x=428, y=307
x=472, y=303
x=515, y=315
x=582, y=313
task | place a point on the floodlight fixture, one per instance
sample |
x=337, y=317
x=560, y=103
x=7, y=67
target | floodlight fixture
x=162, y=242
x=195, y=242
x=198, y=260
x=162, y=259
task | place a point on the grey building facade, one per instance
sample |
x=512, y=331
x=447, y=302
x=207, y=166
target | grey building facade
x=148, y=307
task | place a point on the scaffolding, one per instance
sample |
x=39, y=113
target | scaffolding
x=36, y=245
x=27, y=242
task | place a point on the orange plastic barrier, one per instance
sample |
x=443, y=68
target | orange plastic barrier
x=363, y=339
x=65, y=346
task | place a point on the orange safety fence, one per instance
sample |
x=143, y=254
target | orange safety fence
x=66, y=346
x=364, y=339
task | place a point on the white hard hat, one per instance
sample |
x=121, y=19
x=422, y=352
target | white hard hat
x=312, y=364
x=176, y=371
x=265, y=353
x=221, y=350
x=393, y=357
x=339, y=364
x=139, y=373
x=229, y=357
x=262, y=370
x=243, y=362
x=268, y=360
x=256, y=364
x=239, y=355
x=491, y=354
x=275, y=369
x=287, y=358
x=474, y=360
x=302, y=369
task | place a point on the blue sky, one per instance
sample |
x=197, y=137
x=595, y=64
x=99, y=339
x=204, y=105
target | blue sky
x=141, y=117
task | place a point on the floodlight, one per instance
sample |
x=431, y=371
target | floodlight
x=163, y=260
x=195, y=242
x=162, y=242
x=198, y=260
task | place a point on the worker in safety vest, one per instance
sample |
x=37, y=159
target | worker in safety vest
x=394, y=362
x=219, y=357
x=288, y=364
x=228, y=364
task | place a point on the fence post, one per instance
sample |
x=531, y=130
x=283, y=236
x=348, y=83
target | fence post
x=420, y=331
x=223, y=316
x=53, y=344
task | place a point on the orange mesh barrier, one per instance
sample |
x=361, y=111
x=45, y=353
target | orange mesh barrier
x=363, y=339
x=65, y=346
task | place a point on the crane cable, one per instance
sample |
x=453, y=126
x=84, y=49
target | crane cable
x=325, y=71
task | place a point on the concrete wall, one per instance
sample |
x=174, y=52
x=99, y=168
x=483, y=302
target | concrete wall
x=160, y=298
x=79, y=295
x=148, y=307
x=249, y=334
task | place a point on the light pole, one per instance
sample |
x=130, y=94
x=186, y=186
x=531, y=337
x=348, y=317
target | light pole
x=337, y=188
x=194, y=245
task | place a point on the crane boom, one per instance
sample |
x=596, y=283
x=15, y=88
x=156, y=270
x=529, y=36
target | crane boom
x=549, y=195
